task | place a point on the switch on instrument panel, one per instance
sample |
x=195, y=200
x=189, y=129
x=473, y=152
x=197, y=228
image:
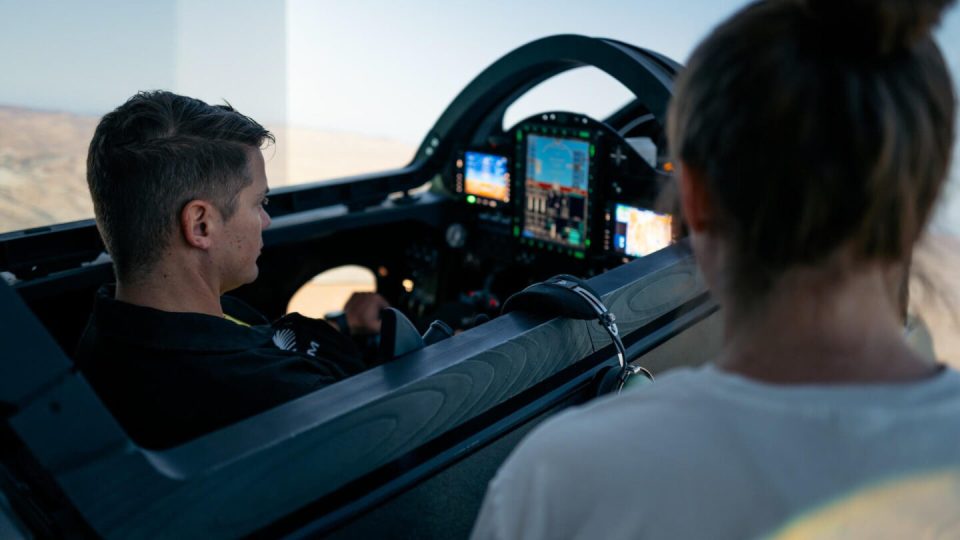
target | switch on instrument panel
x=456, y=235
x=618, y=156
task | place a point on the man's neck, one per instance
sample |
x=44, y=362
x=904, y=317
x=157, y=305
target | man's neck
x=822, y=329
x=173, y=287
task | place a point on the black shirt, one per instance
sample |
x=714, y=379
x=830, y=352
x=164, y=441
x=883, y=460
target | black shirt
x=169, y=377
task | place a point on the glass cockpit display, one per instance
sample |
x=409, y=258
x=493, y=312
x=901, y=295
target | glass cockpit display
x=638, y=232
x=487, y=176
x=557, y=190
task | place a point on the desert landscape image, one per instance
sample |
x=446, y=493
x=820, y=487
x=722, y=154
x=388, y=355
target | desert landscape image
x=42, y=168
x=42, y=182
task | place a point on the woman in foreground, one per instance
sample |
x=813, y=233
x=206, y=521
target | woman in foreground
x=814, y=139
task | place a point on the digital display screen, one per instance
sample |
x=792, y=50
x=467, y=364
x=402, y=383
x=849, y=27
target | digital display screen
x=638, y=232
x=555, y=205
x=487, y=176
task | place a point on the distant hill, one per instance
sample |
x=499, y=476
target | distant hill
x=43, y=163
x=42, y=167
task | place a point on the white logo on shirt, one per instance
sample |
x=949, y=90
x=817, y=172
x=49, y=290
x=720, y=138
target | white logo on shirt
x=285, y=339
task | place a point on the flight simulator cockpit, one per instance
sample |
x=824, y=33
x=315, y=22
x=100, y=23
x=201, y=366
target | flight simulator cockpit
x=480, y=213
x=557, y=192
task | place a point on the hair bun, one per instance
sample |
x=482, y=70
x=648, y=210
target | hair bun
x=877, y=27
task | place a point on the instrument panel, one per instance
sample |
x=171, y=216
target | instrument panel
x=561, y=185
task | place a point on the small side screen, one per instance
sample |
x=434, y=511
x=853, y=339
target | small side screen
x=555, y=209
x=638, y=232
x=487, y=176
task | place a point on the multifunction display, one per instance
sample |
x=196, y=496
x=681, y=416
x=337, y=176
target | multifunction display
x=638, y=232
x=557, y=190
x=487, y=176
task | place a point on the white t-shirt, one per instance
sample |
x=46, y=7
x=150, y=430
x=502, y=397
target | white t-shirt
x=707, y=454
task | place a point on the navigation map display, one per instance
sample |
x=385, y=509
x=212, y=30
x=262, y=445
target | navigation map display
x=487, y=176
x=557, y=190
x=638, y=232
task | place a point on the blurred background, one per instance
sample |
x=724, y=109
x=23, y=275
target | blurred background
x=347, y=87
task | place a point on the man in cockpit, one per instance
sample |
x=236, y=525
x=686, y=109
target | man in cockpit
x=179, y=192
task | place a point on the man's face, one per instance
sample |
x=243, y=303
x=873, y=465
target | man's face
x=242, y=237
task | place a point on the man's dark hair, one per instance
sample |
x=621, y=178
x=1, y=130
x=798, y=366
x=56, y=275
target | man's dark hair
x=818, y=124
x=153, y=155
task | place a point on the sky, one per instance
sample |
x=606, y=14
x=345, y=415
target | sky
x=408, y=60
x=376, y=67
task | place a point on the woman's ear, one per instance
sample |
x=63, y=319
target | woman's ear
x=197, y=224
x=695, y=201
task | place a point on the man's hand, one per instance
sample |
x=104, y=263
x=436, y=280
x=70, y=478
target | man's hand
x=363, y=312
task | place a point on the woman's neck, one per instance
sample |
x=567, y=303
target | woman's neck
x=815, y=327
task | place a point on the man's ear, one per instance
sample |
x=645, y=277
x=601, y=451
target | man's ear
x=695, y=201
x=198, y=221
